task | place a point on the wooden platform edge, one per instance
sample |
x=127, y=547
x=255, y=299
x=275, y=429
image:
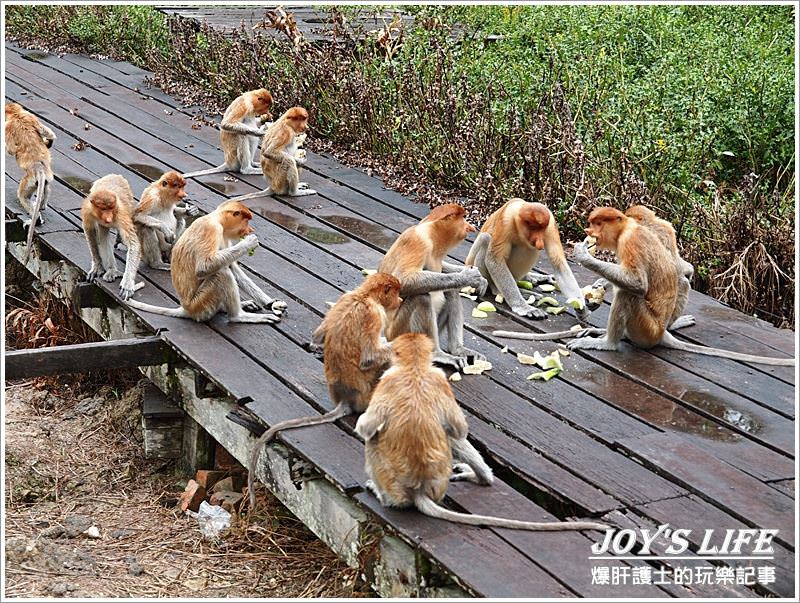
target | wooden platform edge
x=389, y=564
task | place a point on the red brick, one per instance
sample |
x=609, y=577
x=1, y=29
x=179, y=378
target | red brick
x=208, y=477
x=192, y=496
x=223, y=459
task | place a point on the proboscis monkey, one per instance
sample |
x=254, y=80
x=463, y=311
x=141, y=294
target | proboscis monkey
x=279, y=161
x=206, y=275
x=110, y=204
x=666, y=234
x=29, y=142
x=355, y=356
x=430, y=286
x=508, y=247
x=413, y=429
x=239, y=133
x=159, y=221
x=645, y=288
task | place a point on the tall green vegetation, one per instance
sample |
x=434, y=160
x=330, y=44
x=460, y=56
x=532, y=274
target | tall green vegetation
x=689, y=109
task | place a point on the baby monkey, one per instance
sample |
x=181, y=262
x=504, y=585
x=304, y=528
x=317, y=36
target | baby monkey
x=413, y=429
x=355, y=355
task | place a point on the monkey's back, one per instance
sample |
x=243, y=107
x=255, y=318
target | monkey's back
x=412, y=452
x=352, y=323
x=22, y=133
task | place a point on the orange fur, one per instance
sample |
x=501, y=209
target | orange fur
x=413, y=401
x=246, y=106
x=25, y=139
x=163, y=193
x=639, y=250
x=226, y=224
x=664, y=230
x=352, y=329
x=110, y=203
x=280, y=170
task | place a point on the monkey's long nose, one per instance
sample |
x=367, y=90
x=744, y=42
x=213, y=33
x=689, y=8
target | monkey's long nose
x=471, y=228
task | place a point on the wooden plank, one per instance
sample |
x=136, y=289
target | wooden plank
x=787, y=486
x=697, y=516
x=83, y=357
x=732, y=490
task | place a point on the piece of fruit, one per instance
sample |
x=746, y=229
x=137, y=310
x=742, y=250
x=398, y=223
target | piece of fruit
x=478, y=313
x=486, y=307
x=556, y=310
x=455, y=377
x=525, y=285
x=499, y=299
x=368, y=271
x=575, y=303
x=526, y=359
x=547, y=287
x=468, y=296
x=545, y=375
x=550, y=301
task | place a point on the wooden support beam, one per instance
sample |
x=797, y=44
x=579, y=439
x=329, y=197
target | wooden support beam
x=89, y=295
x=15, y=232
x=119, y=353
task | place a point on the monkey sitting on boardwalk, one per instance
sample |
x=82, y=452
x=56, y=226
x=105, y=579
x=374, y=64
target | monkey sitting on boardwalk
x=413, y=428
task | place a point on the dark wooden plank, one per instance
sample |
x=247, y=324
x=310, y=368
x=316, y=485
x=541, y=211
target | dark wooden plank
x=502, y=570
x=697, y=516
x=735, y=492
x=787, y=486
x=83, y=357
x=688, y=559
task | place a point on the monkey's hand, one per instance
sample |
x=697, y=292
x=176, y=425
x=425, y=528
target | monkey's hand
x=126, y=289
x=484, y=286
x=592, y=343
x=540, y=279
x=92, y=274
x=300, y=160
x=529, y=312
x=451, y=360
x=474, y=278
x=248, y=243
x=169, y=234
x=111, y=275
x=580, y=253
x=468, y=353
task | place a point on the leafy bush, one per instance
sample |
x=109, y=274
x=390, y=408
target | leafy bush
x=689, y=109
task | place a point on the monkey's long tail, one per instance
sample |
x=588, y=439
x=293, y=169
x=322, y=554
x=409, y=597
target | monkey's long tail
x=178, y=312
x=668, y=341
x=41, y=183
x=215, y=170
x=430, y=508
x=341, y=410
x=548, y=336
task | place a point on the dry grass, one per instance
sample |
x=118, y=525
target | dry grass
x=73, y=448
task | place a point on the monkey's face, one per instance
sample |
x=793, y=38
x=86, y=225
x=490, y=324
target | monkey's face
x=262, y=102
x=104, y=205
x=606, y=232
x=298, y=119
x=236, y=222
x=172, y=185
x=535, y=219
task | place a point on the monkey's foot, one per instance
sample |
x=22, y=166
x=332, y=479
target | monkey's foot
x=541, y=279
x=248, y=305
x=530, y=312
x=466, y=352
x=463, y=472
x=370, y=486
x=592, y=343
x=687, y=320
x=111, y=275
x=26, y=223
x=278, y=307
x=126, y=290
x=315, y=348
x=456, y=362
x=161, y=266
x=302, y=192
x=250, y=170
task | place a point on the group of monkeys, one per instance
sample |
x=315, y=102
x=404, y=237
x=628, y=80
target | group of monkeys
x=380, y=341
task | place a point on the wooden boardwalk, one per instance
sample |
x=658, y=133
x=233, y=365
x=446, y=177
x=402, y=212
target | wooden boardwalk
x=635, y=438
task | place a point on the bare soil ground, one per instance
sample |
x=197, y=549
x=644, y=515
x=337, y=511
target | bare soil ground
x=74, y=464
x=86, y=515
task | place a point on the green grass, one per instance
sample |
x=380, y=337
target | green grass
x=689, y=109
